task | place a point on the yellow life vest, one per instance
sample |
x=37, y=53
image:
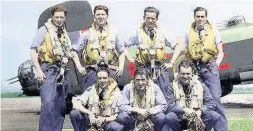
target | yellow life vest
x=157, y=45
x=100, y=46
x=147, y=102
x=196, y=96
x=47, y=50
x=201, y=49
x=110, y=102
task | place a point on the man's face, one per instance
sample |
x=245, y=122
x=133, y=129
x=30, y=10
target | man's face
x=100, y=17
x=102, y=79
x=150, y=19
x=185, y=75
x=200, y=18
x=140, y=81
x=58, y=18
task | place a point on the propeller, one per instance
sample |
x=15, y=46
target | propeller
x=12, y=78
x=14, y=82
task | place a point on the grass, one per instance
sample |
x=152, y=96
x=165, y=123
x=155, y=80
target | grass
x=242, y=91
x=12, y=95
x=240, y=124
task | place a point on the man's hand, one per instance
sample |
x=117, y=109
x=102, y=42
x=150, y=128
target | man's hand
x=40, y=76
x=111, y=118
x=146, y=115
x=143, y=112
x=198, y=112
x=92, y=119
x=119, y=72
x=100, y=121
x=82, y=70
x=188, y=111
x=167, y=65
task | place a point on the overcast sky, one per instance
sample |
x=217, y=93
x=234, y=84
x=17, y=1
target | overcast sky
x=19, y=23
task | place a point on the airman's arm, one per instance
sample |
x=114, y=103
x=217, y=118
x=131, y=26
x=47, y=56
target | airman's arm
x=124, y=102
x=220, y=54
x=77, y=105
x=208, y=101
x=81, y=102
x=36, y=43
x=121, y=50
x=77, y=47
x=218, y=42
x=131, y=41
x=170, y=98
x=76, y=59
x=160, y=102
x=180, y=46
x=34, y=57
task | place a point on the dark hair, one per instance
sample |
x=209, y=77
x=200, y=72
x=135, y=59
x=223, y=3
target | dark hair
x=151, y=9
x=101, y=7
x=200, y=9
x=58, y=8
x=186, y=64
x=142, y=71
x=102, y=69
x=102, y=66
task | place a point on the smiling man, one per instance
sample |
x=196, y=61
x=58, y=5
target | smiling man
x=204, y=47
x=100, y=42
x=50, y=52
x=142, y=104
x=151, y=42
x=190, y=102
x=97, y=107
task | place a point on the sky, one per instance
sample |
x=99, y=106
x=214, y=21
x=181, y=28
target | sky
x=19, y=23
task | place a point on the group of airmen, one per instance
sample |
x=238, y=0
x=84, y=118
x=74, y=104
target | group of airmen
x=190, y=101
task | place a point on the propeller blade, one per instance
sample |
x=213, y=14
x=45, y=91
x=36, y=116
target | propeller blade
x=14, y=82
x=12, y=78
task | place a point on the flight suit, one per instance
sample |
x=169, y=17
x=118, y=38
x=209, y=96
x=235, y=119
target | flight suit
x=157, y=39
x=53, y=106
x=91, y=38
x=209, y=74
x=174, y=116
x=157, y=105
x=90, y=98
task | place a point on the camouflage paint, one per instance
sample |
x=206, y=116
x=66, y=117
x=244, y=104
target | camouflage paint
x=237, y=33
